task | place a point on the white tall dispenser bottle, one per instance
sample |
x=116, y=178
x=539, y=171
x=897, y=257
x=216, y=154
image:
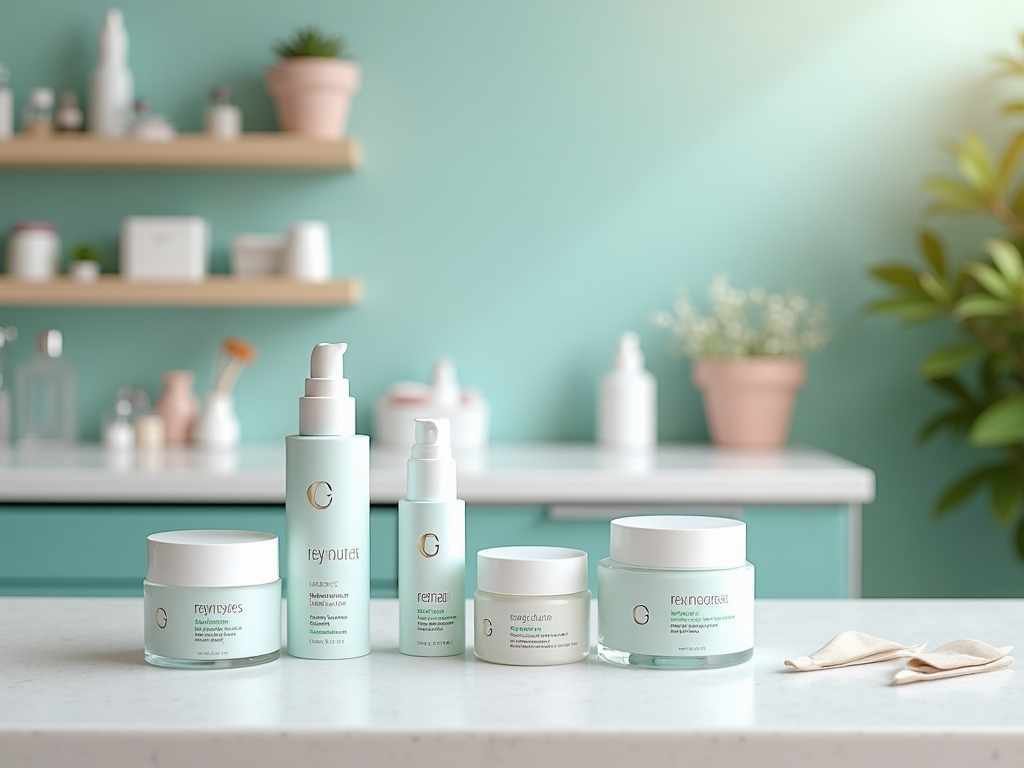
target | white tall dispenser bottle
x=327, y=518
x=6, y=105
x=627, y=407
x=432, y=549
x=111, y=88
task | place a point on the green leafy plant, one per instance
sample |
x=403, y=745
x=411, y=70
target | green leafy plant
x=981, y=375
x=84, y=252
x=311, y=41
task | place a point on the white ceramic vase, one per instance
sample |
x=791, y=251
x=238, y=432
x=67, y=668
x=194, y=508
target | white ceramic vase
x=218, y=427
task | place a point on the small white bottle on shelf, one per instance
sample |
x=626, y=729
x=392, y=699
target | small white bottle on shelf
x=223, y=119
x=627, y=402
x=6, y=105
x=69, y=115
x=111, y=89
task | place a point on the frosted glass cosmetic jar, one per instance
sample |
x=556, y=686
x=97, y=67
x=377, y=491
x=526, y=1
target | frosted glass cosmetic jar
x=212, y=599
x=531, y=606
x=677, y=592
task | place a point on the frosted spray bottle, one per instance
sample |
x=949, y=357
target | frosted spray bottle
x=327, y=518
x=111, y=87
x=432, y=549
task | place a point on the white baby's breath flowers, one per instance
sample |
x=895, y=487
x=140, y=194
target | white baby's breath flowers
x=751, y=323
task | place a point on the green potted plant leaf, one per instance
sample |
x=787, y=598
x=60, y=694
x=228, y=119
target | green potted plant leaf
x=749, y=359
x=979, y=373
x=313, y=84
x=84, y=263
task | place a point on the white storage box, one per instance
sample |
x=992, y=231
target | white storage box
x=170, y=248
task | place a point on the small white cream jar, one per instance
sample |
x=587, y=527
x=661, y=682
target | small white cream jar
x=531, y=606
x=677, y=592
x=212, y=599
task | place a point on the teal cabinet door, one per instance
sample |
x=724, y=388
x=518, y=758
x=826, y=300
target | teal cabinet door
x=101, y=550
x=797, y=552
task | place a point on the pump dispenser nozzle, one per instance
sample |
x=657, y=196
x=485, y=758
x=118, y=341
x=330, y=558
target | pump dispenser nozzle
x=327, y=408
x=431, y=470
x=445, y=390
x=628, y=356
x=327, y=361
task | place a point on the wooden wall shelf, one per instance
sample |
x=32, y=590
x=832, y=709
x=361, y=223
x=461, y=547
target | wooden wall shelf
x=188, y=152
x=214, y=291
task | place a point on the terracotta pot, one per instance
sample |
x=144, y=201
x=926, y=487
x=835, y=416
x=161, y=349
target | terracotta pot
x=312, y=95
x=748, y=402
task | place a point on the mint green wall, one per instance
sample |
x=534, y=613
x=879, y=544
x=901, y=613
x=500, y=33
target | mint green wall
x=542, y=175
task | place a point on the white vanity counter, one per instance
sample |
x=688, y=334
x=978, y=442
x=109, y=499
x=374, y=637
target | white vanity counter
x=74, y=691
x=527, y=473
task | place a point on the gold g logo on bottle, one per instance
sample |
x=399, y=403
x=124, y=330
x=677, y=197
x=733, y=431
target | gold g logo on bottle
x=641, y=615
x=320, y=494
x=429, y=545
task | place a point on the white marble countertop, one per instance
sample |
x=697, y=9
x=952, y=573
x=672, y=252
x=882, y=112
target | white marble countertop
x=526, y=473
x=75, y=691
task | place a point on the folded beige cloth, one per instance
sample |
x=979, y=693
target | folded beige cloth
x=849, y=648
x=960, y=657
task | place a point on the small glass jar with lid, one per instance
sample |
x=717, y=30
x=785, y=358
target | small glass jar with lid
x=531, y=606
x=37, y=119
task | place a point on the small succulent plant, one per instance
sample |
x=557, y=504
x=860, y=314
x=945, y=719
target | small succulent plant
x=311, y=41
x=84, y=252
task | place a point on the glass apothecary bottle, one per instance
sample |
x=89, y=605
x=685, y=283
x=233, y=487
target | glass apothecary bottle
x=46, y=395
x=7, y=334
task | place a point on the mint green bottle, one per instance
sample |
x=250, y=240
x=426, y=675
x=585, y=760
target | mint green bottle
x=432, y=549
x=327, y=518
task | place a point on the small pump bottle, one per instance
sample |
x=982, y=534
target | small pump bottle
x=327, y=518
x=627, y=403
x=432, y=549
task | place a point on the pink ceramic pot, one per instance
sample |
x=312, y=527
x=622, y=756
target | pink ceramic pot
x=313, y=95
x=748, y=402
x=178, y=406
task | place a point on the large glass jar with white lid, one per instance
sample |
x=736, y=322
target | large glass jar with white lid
x=677, y=592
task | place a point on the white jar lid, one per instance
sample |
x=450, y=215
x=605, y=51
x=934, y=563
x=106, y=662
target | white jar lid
x=212, y=558
x=531, y=570
x=679, y=541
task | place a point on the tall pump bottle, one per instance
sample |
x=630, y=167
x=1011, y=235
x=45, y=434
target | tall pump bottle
x=327, y=518
x=432, y=549
x=627, y=402
x=111, y=88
